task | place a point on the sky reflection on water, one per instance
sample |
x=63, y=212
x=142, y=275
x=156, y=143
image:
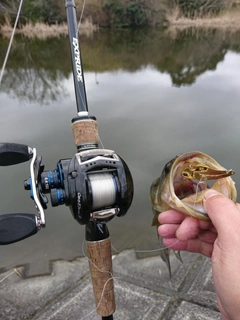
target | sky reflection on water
x=141, y=116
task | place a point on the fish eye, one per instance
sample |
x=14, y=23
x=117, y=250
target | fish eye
x=168, y=167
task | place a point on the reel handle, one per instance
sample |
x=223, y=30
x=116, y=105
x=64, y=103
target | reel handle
x=17, y=226
x=14, y=153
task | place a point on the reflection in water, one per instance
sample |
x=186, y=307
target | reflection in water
x=138, y=87
x=34, y=85
x=36, y=68
x=193, y=52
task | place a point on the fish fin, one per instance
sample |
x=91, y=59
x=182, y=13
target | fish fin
x=178, y=255
x=155, y=222
x=164, y=254
x=155, y=218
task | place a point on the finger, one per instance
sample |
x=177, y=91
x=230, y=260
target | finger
x=171, y=216
x=168, y=230
x=192, y=245
x=207, y=236
x=221, y=211
x=190, y=228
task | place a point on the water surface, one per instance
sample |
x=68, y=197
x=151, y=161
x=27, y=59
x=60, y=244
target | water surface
x=154, y=94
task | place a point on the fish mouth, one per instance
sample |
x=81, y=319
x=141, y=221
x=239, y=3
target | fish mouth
x=197, y=177
x=185, y=180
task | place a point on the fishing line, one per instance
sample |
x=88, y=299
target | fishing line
x=153, y=250
x=84, y=254
x=10, y=42
x=8, y=275
x=111, y=275
x=104, y=189
x=15, y=270
x=83, y=7
x=79, y=26
x=200, y=186
x=104, y=287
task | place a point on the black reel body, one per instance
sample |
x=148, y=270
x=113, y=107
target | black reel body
x=95, y=184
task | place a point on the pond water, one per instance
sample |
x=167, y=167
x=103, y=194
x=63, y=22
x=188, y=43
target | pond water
x=155, y=94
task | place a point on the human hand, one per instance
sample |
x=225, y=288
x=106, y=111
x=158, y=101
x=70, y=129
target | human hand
x=218, y=239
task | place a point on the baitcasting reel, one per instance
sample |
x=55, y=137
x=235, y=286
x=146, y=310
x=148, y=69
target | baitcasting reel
x=95, y=184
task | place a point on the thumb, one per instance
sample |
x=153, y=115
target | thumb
x=222, y=211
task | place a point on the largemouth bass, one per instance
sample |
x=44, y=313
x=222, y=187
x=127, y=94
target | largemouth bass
x=182, y=185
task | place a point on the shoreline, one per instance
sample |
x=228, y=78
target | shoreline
x=227, y=21
x=230, y=19
x=44, y=31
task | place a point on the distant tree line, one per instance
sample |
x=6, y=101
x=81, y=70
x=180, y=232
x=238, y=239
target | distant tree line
x=193, y=8
x=47, y=11
x=111, y=13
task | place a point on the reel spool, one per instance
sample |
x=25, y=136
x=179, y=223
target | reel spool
x=104, y=189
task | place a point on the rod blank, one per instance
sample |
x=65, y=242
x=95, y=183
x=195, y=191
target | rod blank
x=78, y=76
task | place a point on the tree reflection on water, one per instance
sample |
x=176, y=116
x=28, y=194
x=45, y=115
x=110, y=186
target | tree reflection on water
x=36, y=68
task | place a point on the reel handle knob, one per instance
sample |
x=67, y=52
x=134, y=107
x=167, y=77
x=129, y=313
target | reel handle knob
x=17, y=226
x=14, y=153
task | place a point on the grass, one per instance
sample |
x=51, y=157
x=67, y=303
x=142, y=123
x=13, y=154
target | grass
x=227, y=19
x=44, y=31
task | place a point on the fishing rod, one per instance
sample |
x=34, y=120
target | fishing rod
x=96, y=185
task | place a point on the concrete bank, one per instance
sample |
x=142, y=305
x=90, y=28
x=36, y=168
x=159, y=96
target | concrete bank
x=143, y=290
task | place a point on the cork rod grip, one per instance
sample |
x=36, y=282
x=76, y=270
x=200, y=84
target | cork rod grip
x=100, y=264
x=85, y=132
